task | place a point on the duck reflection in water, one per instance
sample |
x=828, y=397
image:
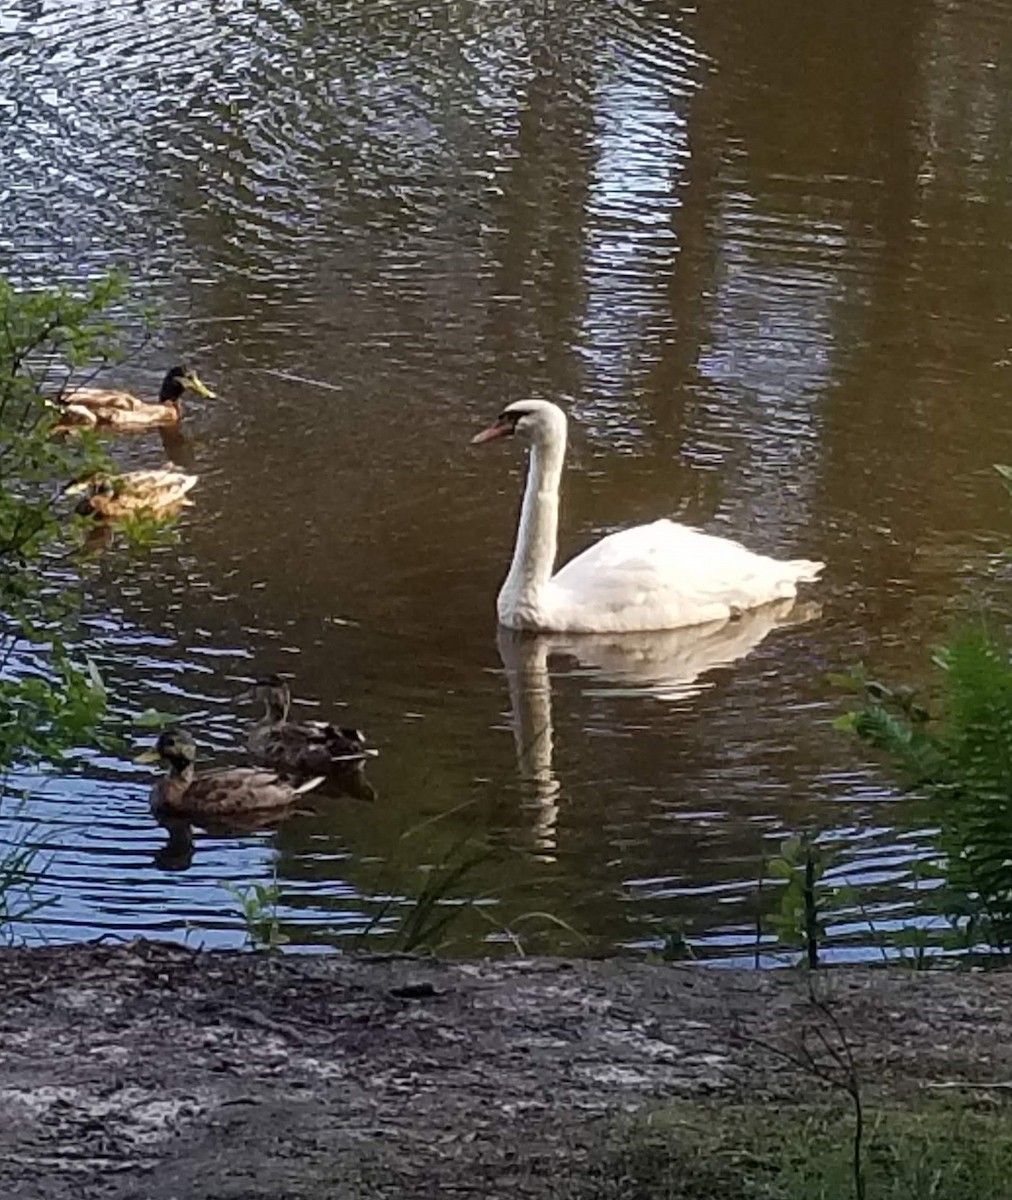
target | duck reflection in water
x=668, y=665
x=178, y=447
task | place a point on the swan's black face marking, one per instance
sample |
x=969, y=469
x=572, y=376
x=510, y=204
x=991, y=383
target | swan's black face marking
x=511, y=420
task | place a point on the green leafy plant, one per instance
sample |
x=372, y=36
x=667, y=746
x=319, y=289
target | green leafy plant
x=144, y=531
x=674, y=945
x=48, y=701
x=52, y=701
x=20, y=876
x=803, y=899
x=258, y=907
x=155, y=719
x=960, y=761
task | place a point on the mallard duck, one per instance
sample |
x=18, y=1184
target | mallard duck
x=156, y=492
x=176, y=854
x=305, y=747
x=123, y=410
x=221, y=794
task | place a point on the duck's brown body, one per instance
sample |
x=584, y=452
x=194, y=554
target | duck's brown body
x=302, y=747
x=118, y=410
x=230, y=793
x=159, y=492
x=216, y=795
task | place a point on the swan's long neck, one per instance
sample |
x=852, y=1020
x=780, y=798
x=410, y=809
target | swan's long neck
x=537, y=536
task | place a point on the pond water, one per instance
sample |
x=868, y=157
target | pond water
x=760, y=253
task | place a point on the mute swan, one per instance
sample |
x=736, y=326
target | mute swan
x=651, y=577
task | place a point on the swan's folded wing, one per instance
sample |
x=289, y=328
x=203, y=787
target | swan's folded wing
x=663, y=574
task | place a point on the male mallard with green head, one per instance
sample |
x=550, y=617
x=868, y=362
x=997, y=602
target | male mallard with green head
x=122, y=410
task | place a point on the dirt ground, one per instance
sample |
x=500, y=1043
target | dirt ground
x=148, y=1071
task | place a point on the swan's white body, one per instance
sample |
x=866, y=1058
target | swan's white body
x=650, y=577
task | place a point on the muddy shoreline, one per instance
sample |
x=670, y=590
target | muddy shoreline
x=151, y=1070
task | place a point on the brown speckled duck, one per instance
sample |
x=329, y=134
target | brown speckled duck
x=304, y=747
x=156, y=492
x=221, y=794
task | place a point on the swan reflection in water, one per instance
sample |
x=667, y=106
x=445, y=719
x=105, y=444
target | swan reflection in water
x=176, y=853
x=668, y=665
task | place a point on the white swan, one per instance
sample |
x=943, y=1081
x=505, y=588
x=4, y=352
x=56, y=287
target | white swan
x=651, y=577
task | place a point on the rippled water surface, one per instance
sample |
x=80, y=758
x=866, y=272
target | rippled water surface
x=761, y=255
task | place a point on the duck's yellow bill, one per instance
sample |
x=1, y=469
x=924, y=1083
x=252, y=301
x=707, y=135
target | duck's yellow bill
x=149, y=756
x=194, y=384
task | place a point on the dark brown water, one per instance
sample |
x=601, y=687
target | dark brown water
x=761, y=253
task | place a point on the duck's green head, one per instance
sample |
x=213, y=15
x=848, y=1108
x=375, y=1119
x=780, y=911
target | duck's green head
x=175, y=747
x=180, y=380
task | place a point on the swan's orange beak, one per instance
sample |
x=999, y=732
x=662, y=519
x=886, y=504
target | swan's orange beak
x=500, y=429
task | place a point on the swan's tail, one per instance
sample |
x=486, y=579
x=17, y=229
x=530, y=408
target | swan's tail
x=805, y=571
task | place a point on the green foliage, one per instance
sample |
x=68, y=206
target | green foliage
x=1006, y=475
x=961, y=762
x=803, y=899
x=258, y=906
x=43, y=719
x=48, y=704
x=798, y=917
x=45, y=336
x=674, y=945
x=153, y=718
x=145, y=531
